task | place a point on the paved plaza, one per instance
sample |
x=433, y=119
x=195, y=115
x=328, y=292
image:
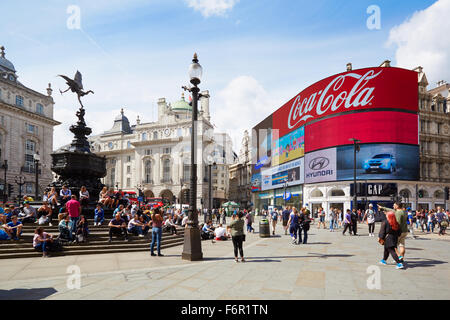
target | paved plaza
x=330, y=266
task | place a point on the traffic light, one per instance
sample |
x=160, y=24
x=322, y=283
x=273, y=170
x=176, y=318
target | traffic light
x=420, y=194
x=10, y=189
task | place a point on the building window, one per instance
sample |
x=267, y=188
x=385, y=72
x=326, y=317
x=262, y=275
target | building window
x=0, y=94
x=128, y=169
x=30, y=150
x=148, y=171
x=128, y=144
x=39, y=108
x=128, y=182
x=29, y=188
x=144, y=136
x=179, y=132
x=19, y=101
x=113, y=177
x=186, y=172
x=148, y=152
x=128, y=158
x=31, y=128
x=167, y=150
x=155, y=135
x=113, y=161
x=166, y=170
x=110, y=145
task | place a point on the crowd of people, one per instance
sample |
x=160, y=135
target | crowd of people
x=129, y=218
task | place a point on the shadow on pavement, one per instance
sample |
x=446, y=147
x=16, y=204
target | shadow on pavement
x=27, y=294
x=319, y=243
x=424, y=263
x=324, y=256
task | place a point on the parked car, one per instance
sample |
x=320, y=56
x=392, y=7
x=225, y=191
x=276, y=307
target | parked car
x=383, y=162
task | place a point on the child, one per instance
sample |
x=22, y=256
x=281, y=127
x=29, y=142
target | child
x=99, y=216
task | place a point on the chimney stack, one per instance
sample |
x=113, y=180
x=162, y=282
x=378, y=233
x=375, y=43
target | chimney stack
x=349, y=67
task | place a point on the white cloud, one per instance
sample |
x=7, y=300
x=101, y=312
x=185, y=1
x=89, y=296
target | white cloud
x=241, y=105
x=422, y=40
x=212, y=7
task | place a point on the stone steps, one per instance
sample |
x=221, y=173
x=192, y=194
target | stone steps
x=98, y=243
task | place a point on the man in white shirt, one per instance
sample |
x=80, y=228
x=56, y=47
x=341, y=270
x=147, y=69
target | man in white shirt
x=136, y=227
x=220, y=233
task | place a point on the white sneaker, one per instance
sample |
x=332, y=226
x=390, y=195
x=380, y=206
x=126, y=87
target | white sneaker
x=50, y=225
x=141, y=236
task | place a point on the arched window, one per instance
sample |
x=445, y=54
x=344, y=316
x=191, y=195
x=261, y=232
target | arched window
x=439, y=194
x=316, y=193
x=166, y=170
x=148, y=171
x=155, y=135
x=144, y=136
x=128, y=145
x=337, y=193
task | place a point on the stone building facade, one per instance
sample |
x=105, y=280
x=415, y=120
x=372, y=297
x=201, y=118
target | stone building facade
x=26, y=128
x=240, y=175
x=155, y=156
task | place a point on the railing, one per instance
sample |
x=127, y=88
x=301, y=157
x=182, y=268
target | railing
x=147, y=181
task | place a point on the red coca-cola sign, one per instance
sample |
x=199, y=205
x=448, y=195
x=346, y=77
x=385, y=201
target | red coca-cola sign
x=356, y=90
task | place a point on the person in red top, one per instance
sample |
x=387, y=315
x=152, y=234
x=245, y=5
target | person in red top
x=73, y=207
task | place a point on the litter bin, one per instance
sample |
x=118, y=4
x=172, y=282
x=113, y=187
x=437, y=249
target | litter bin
x=264, y=229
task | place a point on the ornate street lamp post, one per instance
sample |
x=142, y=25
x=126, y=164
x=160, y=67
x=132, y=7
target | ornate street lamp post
x=192, y=249
x=20, y=180
x=5, y=195
x=37, y=158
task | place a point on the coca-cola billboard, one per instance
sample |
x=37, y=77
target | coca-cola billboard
x=356, y=90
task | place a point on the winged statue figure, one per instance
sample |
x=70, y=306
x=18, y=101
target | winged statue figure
x=76, y=85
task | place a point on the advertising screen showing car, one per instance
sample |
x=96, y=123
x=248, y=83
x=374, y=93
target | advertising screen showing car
x=384, y=162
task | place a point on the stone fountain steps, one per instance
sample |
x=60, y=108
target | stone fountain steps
x=98, y=244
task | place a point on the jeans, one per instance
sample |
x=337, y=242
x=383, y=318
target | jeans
x=136, y=230
x=371, y=227
x=41, y=247
x=249, y=227
x=74, y=223
x=293, y=230
x=99, y=219
x=237, y=244
x=156, y=237
x=305, y=235
x=430, y=225
x=332, y=222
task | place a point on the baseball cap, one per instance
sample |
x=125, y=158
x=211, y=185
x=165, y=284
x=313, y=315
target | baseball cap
x=370, y=205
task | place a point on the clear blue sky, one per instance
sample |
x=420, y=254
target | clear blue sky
x=256, y=54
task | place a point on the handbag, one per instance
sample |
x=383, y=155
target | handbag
x=243, y=237
x=381, y=241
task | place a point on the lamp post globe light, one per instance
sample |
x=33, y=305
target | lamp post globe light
x=192, y=249
x=37, y=158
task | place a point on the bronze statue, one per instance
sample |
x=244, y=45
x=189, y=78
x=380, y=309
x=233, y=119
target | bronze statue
x=76, y=86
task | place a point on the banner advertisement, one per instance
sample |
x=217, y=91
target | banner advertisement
x=256, y=182
x=320, y=166
x=276, y=177
x=379, y=161
x=369, y=127
x=356, y=90
x=261, y=145
x=289, y=147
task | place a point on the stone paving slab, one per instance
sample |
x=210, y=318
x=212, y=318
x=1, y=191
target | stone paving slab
x=331, y=266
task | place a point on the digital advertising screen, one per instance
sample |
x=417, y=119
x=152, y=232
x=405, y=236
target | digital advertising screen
x=290, y=172
x=379, y=162
x=261, y=145
x=289, y=147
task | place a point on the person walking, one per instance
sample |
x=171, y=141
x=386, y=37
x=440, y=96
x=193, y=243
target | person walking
x=223, y=215
x=285, y=215
x=274, y=218
x=293, y=224
x=347, y=223
x=321, y=215
x=249, y=220
x=333, y=218
x=236, y=228
x=389, y=235
x=304, y=225
x=157, y=221
x=369, y=216
x=401, y=217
